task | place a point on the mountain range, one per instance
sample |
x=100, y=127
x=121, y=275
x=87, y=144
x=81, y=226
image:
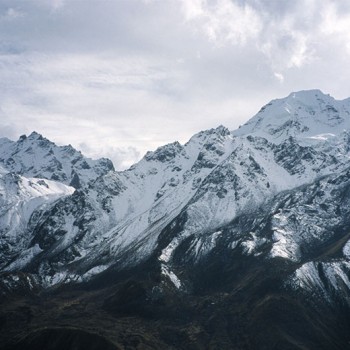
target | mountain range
x=235, y=240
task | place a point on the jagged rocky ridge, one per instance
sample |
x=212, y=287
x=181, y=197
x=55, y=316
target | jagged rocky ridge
x=274, y=193
x=36, y=156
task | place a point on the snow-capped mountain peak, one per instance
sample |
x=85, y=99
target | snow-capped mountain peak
x=36, y=156
x=307, y=115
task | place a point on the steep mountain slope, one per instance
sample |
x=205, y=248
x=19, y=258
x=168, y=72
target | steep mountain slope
x=20, y=197
x=244, y=230
x=309, y=116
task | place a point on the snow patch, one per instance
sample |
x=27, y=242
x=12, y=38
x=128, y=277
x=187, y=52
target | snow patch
x=251, y=245
x=346, y=250
x=171, y=275
x=94, y=271
x=24, y=258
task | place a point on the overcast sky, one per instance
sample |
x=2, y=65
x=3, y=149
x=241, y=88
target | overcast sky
x=118, y=78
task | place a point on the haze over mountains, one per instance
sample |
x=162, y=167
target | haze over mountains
x=235, y=240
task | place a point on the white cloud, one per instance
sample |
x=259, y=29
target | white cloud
x=288, y=39
x=11, y=14
x=119, y=107
x=335, y=25
x=223, y=20
x=119, y=78
x=279, y=77
x=286, y=48
x=57, y=4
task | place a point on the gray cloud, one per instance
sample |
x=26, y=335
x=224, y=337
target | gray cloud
x=118, y=78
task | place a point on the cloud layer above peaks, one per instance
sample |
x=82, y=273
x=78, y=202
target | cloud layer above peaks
x=118, y=78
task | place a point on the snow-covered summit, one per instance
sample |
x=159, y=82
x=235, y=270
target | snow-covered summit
x=36, y=156
x=309, y=115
